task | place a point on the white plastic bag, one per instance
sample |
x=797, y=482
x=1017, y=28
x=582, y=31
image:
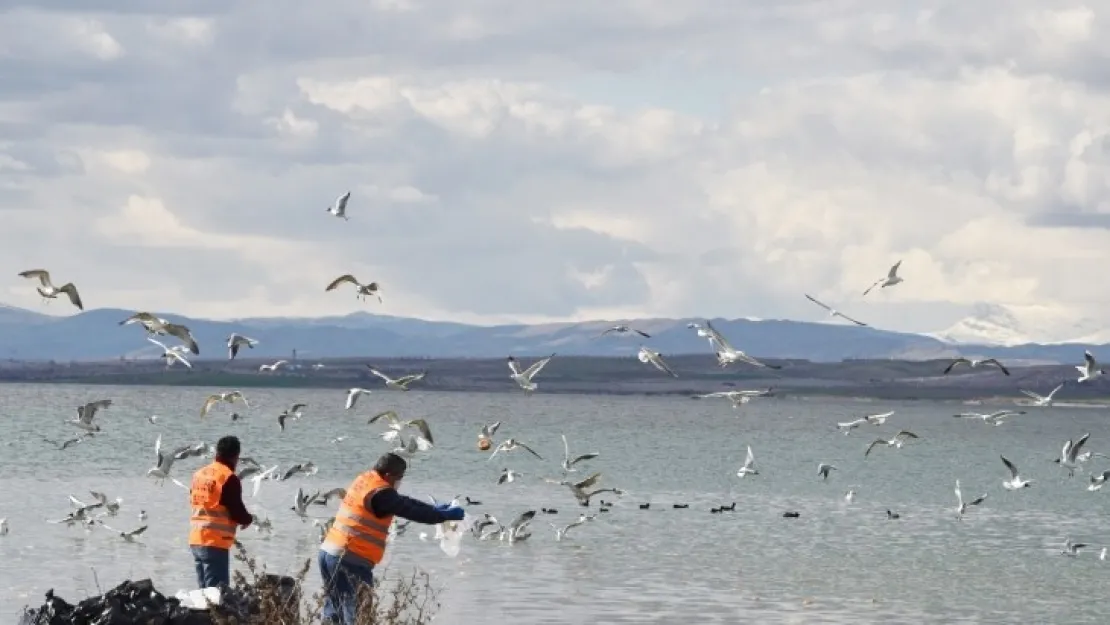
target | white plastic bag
x=450, y=535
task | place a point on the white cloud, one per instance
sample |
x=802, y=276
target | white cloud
x=563, y=160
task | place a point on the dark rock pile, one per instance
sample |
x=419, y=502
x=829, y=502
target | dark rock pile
x=138, y=603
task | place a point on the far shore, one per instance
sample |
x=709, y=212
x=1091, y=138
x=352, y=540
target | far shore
x=858, y=380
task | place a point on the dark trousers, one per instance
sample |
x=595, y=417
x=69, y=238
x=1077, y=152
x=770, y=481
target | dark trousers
x=341, y=582
x=213, y=566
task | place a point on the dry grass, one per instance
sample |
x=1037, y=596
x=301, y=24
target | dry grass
x=406, y=600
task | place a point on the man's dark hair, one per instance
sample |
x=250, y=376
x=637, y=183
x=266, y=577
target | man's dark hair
x=227, y=447
x=391, y=465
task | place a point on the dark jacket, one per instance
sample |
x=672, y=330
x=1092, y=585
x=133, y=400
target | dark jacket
x=388, y=501
x=232, y=498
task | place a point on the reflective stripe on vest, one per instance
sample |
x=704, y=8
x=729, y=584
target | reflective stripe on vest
x=210, y=523
x=357, y=534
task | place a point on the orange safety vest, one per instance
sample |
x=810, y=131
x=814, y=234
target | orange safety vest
x=210, y=523
x=358, y=535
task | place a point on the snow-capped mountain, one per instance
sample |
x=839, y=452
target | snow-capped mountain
x=996, y=324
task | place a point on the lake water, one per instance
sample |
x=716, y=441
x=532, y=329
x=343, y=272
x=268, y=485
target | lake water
x=837, y=563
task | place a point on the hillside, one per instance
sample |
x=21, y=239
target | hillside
x=96, y=335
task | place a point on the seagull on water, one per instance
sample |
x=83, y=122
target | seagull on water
x=652, y=357
x=891, y=279
x=961, y=505
x=834, y=312
x=568, y=464
x=1043, y=400
x=353, y=394
x=3, y=527
x=47, y=289
x=749, y=465
x=623, y=329
x=899, y=439
x=235, y=341
x=524, y=379
x=823, y=470
x=362, y=291
x=1071, y=549
x=487, y=431
x=229, y=397
x=850, y=495
x=507, y=476
x=339, y=207
x=995, y=418
x=974, y=362
x=401, y=383
x=159, y=326
x=726, y=353
x=171, y=354
x=560, y=532
x=1090, y=370
x=1015, y=482
x=1098, y=481
x=516, y=530
x=511, y=444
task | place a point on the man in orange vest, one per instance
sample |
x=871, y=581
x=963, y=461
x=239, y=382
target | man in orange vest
x=357, y=539
x=216, y=498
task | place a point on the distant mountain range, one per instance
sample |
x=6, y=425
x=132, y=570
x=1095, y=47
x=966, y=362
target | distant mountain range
x=97, y=335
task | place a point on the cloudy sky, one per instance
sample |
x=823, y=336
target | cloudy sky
x=560, y=160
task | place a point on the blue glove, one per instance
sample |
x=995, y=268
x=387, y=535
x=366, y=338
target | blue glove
x=453, y=513
x=442, y=507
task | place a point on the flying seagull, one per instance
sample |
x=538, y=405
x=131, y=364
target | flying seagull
x=973, y=363
x=353, y=394
x=524, y=378
x=823, y=470
x=158, y=326
x=163, y=464
x=1069, y=455
x=560, y=532
x=1090, y=370
x=623, y=329
x=653, y=358
x=568, y=464
x=235, y=341
x=47, y=289
x=891, y=279
x=995, y=418
x=1045, y=400
x=401, y=383
x=86, y=412
x=228, y=397
x=873, y=419
x=899, y=439
x=511, y=444
x=1098, y=481
x=726, y=353
x=128, y=536
x=339, y=208
x=488, y=431
x=834, y=312
x=961, y=505
x=579, y=488
x=424, y=439
x=1015, y=482
x=363, y=290
x=171, y=354
x=738, y=398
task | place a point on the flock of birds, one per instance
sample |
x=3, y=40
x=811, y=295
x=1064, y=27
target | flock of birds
x=412, y=437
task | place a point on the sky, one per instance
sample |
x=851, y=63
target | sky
x=538, y=161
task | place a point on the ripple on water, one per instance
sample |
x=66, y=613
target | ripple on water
x=838, y=563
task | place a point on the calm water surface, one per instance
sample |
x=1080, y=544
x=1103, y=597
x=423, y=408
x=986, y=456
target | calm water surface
x=837, y=563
